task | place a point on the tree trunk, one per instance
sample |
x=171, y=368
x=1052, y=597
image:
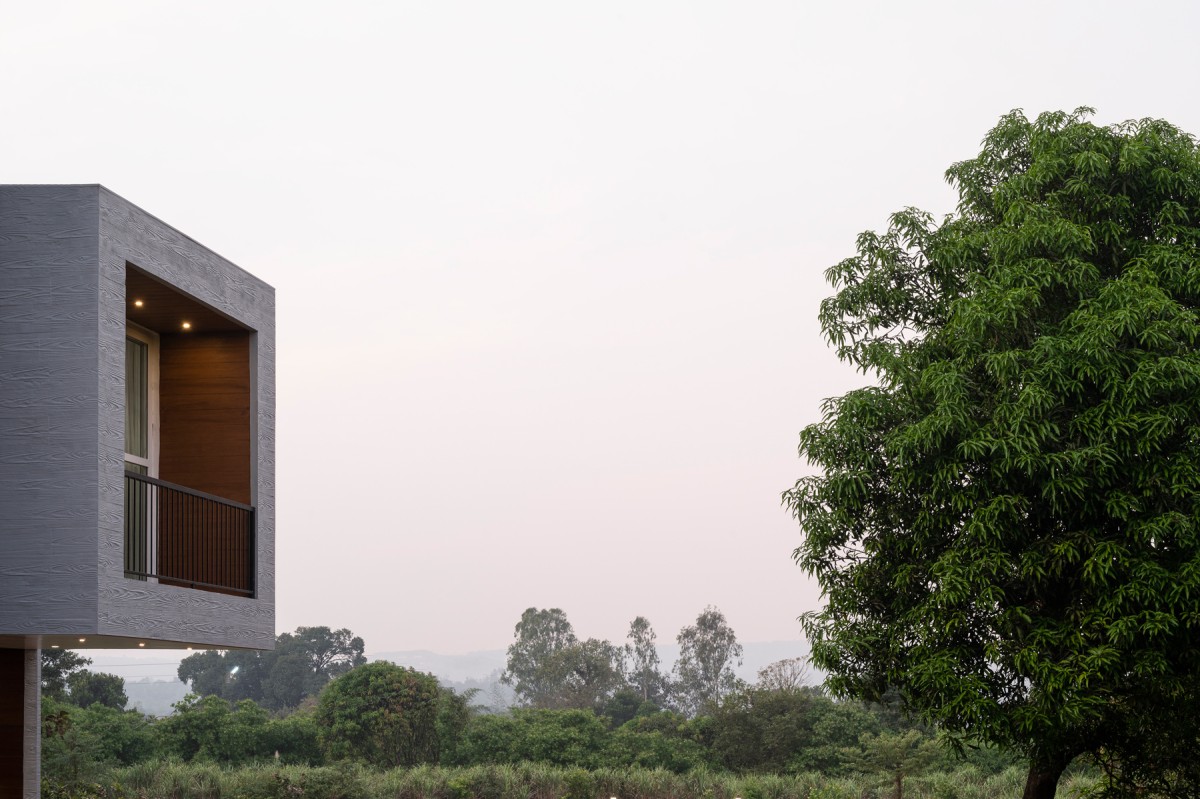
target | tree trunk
x=899, y=785
x=1042, y=782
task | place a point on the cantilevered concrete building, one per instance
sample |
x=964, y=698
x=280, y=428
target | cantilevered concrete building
x=137, y=445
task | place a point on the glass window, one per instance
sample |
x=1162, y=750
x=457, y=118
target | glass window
x=137, y=402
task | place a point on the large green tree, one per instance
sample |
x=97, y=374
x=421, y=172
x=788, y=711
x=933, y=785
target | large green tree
x=641, y=657
x=588, y=674
x=539, y=637
x=210, y=729
x=381, y=713
x=549, y=667
x=763, y=729
x=1006, y=525
x=90, y=688
x=58, y=665
x=299, y=666
x=708, y=651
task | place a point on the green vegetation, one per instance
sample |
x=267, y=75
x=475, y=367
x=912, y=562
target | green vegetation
x=379, y=727
x=549, y=667
x=1006, y=525
x=385, y=730
x=382, y=714
x=526, y=781
x=65, y=679
x=708, y=651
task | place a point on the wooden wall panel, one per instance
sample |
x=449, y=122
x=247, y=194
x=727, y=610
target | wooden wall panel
x=204, y=400
x=12, y=721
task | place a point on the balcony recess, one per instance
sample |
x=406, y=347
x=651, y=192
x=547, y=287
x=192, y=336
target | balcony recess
x=179, y=536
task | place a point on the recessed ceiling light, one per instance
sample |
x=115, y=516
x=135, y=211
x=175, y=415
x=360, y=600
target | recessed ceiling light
x=54, y=646
x=138, y=303
x=141, y=643
x=82, y=640
x=187, y=325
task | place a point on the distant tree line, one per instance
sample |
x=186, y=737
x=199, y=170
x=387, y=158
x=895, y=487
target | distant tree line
x=299, y=666
x=550, y=668
x=386, y=716
x=65, y=678
x=585, y=705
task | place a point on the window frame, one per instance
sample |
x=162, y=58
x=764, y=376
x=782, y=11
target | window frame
x=150, y=339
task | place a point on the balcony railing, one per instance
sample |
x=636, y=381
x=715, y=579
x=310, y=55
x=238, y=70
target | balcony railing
x=178, y=536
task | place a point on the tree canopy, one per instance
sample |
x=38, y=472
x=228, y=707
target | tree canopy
x=58, y=666
x=299, y=666
x=708, y=651
x=381, y=713
x=90, y=688
x=1006, y=524
x=641, y=655
x=549, y=667
x=540, y=637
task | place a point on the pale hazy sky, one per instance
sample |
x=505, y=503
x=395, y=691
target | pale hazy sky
x=547, y=273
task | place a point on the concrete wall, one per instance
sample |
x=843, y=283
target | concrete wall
x=49, y=373
x=63, y=255
x=146, y=610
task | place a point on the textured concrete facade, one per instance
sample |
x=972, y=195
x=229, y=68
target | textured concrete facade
x=64, y=252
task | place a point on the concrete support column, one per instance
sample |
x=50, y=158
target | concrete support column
x=31, y=750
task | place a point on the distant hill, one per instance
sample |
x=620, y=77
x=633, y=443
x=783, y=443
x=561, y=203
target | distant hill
x=154, y=697
x=448, y=668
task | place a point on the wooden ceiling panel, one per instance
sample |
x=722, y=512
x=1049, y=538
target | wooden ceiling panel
x=164, y=309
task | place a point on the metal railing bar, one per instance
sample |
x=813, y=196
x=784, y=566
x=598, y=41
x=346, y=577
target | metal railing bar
x=189, y=491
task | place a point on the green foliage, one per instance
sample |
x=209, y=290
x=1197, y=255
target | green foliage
x=296, y=739
x=65, y=678
x=641, y=654
x=454, y=714
x=207, y=672
x=896, y=754
x=70, y=755
x=301, y=664
x=523, y=781
x=340, y=781
x=586, y=674
x=762, y=730
x=82, y=744
x=549, y=667
x=624, y=705
x=652, y=749
x=556, y=737
x=122, y=737
x=57, y=667
x=835, y=727
x=53, y=788
x=708, y=651
x=382, y=714
x=208, y=729
x=89, y=688
x=540, y=636
x=1006, y=527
